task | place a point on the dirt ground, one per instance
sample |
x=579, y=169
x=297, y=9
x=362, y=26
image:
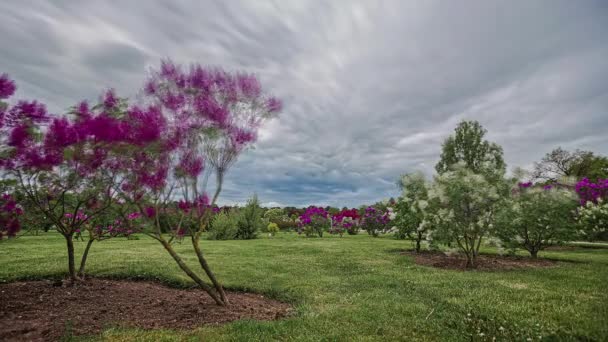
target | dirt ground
x=483, y=262
x=46, y=310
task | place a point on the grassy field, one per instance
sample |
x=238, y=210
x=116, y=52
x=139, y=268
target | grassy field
x=353, y=288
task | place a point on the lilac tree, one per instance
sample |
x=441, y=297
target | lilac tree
x=347, y=220
x=315, y=220
x=67, y=166
x=375, y=221
x=535, y=217
x=208, y=117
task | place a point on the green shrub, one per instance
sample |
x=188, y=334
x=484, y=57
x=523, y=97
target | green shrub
x=288, y=225
x=593, y=220
x=534, y=218
x=250, y=220
x=272, y=228
x=224, y=226
x=275, y=215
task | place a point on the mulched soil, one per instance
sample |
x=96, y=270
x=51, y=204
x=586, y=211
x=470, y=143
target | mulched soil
x=484, y=262
x=41, y=310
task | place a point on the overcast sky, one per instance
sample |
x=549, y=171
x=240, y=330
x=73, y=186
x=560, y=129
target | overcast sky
x=371, y=88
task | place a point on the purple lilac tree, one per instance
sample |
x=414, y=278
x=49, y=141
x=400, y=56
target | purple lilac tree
x=315, y=220
x=67, y=166
x=207, y=117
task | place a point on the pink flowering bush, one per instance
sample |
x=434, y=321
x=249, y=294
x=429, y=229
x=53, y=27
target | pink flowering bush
x=314, y=221
x=346, y=220
x=207, y=117
x=375, y=221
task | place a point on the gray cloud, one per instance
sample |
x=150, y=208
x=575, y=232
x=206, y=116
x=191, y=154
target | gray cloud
x=371, y=88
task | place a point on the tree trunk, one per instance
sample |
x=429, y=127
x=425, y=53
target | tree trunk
x=71, y=265
x=218, y=189
x=201, y=259
x=534, y=253
x=191, y=274
x=470, y=261
x=418, y=243
x=83, y=260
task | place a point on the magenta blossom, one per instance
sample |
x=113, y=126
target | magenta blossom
x=7, y=87
x=150, y=212
x=591, y=192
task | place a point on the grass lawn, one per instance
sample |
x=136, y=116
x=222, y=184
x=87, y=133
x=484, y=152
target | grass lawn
x=352, y=288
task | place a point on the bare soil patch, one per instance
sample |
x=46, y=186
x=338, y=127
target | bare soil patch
x=41, y=310
x=484, y=262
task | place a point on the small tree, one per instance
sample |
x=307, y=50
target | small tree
x=347, y=220
x=578, y=164
x=375, y=221
x=468, y=148
x=412, y=210
x=250, y=220
x=536, y=217
x=593, y=220
x=208, y=118
x=315, y=220
x=66, y=167
x=467, y=205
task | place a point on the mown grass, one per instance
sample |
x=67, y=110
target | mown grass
x=352, y=288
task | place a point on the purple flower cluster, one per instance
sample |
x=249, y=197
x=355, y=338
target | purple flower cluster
x=81, y=143
x=114, y=229
x=375, y=221
x=525, y=185
x=7, y=87
x=200, y=204
x=591, y=192
x=313, y=214
x=345, y=220
x=9, y=216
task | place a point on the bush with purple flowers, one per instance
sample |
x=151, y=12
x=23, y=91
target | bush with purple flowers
x=314, y=221
x=589, y=191
x=67, y=165
x=375, y=221
x=10, y=212
x=346, y=220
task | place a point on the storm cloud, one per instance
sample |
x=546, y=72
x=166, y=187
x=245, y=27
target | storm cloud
x=371, y=88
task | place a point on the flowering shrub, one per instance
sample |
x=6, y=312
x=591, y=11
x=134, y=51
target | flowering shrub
x=65, y=165
x=346, y=220
x=275, y=215
x=592, y=192
x=10, y=212
x=375, y=221
x=593, y=219
x=315, y=220
x=467, y=203
x=536, y=217
x=207, y=117
x=413, y=214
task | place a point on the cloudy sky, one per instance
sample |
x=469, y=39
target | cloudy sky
x=371, y=88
